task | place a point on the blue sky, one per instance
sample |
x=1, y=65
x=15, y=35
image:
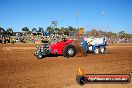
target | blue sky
x=108, y=15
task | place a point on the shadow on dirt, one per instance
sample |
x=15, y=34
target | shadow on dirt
x=52, y=55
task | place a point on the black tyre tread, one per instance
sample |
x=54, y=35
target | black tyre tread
x=64, y=52
x=34, y=54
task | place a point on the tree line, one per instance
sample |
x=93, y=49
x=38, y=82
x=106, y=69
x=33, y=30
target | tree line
x=67, y=31
x=100, y=33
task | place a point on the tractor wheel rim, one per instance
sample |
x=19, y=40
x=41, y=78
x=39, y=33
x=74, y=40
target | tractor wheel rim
x=102, y=49
x=70, y=51
x=40, y=56
x=96, y=51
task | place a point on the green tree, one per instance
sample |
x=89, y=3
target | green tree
x=9, y=31
x=114, y=35
x=129, y=36
x=34, y=30
x=100, y=33
x=72, y=29
x=62, y=30
x=122, y=34
x=57, y=30
x=2, y=31
x=67, y=31
x=25, y=29
x=50, y=30
x=40, y=29
x=109, y=34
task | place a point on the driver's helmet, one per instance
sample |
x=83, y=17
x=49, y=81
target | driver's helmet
x=44, y=40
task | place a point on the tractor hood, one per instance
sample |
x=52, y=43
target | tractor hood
x=62, y=42
x=58, y=46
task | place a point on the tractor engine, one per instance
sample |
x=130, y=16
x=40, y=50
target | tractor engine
x=42, y=50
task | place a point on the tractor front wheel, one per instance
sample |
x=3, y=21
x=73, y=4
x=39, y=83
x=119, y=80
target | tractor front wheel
x=39, y=56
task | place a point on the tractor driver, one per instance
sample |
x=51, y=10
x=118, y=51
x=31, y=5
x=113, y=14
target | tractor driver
x=44, y=40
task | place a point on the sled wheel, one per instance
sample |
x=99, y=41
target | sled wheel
x=102, y=50
x=96, y=51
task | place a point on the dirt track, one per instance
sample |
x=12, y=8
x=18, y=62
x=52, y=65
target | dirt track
x=20, y=69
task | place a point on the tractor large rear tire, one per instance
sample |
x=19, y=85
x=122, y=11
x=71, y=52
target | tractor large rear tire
x=69, y=51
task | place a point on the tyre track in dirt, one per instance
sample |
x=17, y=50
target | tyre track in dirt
x=19, y=68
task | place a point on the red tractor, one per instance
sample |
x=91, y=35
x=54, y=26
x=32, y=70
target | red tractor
x=63, y=47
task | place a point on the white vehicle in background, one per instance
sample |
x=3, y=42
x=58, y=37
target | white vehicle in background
x=97, y=45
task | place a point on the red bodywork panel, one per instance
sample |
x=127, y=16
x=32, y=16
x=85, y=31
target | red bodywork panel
x=56, y=48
